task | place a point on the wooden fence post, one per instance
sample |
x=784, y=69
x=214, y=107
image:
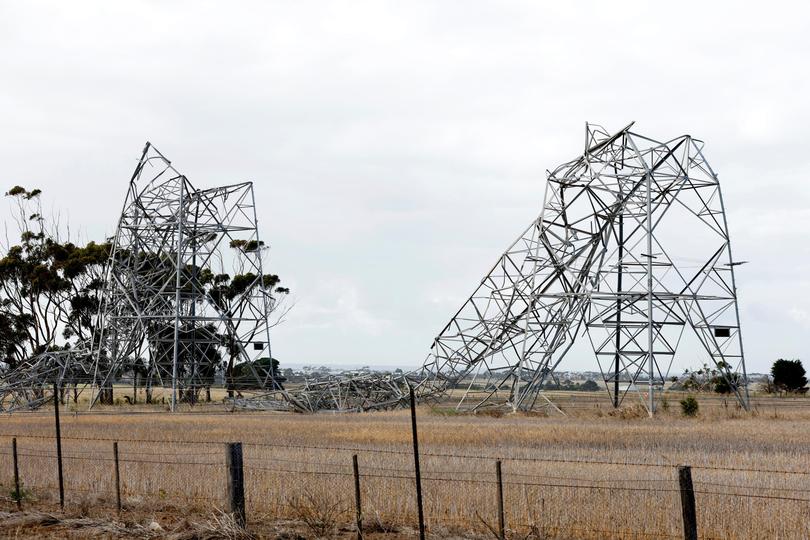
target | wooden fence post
x=58, y=446
x=358, y=517
x=117, y=478
x=236, y=482
x=687, y=502
x=501, y=520
x=17, y=493
x=416, y=465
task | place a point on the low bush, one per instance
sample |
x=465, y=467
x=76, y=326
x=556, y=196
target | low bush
x=689, y=406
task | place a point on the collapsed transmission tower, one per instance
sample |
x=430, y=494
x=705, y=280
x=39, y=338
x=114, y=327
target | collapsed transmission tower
x=631, y=247
x=164, y=306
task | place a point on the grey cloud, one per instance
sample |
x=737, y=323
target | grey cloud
x=397, y=148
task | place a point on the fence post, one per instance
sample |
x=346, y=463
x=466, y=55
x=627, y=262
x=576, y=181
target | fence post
x=501, y=521
x=58, y=446
x=357, y=503
x=687, y=502
x=236, y=482
x=17, y=494
x=416, y=465
x=117, y=478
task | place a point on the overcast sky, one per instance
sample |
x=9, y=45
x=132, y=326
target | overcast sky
x=399, y=147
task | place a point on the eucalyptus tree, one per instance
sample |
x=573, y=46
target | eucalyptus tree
x=48, y=285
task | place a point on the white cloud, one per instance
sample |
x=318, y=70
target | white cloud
x=335, y=305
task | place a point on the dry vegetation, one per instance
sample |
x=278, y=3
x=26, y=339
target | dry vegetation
x=296, y=489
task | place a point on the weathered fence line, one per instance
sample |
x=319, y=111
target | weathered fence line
x=235, y=465
x=409, y=452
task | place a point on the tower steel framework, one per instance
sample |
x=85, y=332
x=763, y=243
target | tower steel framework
x=173, y=245
x=631, y=247
x=184, y=292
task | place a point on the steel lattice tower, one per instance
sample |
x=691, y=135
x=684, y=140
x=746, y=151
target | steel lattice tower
x=172, y=242
x=630, y=248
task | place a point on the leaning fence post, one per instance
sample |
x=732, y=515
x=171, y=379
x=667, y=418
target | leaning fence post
x=687, y=502
x=58, y=446
x=117, y=478
x=236, y=482
x=501, y=521
x=416, y=465
x=17, y=494
x=358, y=517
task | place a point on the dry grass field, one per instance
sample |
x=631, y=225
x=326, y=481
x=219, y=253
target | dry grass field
x=591, y=474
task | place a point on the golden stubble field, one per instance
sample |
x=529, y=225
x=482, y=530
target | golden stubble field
x=298, y=468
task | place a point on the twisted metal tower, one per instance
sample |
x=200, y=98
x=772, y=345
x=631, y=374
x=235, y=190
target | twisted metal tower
x=630, y=252
x=163, y=304
x=630, y=249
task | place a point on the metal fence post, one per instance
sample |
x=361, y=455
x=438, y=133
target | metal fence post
x=416, y=465
x=58, y=446
x=236, y=482
x=358, y=517
x=501, y=520
x=17, y=493
x=687, y=502
x=117, y=478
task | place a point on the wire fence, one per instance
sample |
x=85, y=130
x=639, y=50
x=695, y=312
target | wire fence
x=315, y=484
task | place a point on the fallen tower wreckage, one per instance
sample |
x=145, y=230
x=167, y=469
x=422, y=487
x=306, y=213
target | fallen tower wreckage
x=630, y=248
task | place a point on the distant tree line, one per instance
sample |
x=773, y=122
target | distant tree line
x=787, y=376
x=568, y=386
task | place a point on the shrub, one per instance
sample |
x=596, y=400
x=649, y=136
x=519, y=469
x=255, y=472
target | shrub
x=789, y=375
x=317, y=512
x=689, y=406
x=25, y=495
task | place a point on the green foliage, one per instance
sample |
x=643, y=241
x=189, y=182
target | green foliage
x=718, y=379
x=46, y=286
x=789, y=375
x=247, y=246
x=568, y=386
x=19, y=191
x=24, y=495
x=223, y=288
x=589, y=386
x=243, y=375
x=689, y=406
x=270, y=281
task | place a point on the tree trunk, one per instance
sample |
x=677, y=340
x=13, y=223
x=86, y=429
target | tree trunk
x=149, y=389
x=229, y=376
x=104, y=395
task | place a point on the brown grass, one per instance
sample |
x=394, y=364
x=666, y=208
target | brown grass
x=285, y=480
